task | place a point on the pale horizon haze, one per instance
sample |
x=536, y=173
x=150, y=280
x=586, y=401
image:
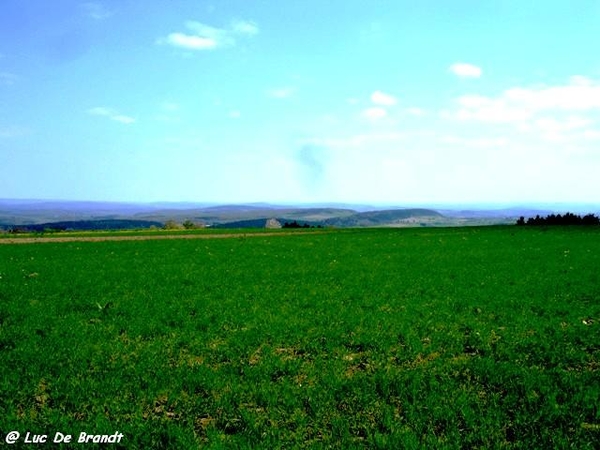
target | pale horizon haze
x=300, y=101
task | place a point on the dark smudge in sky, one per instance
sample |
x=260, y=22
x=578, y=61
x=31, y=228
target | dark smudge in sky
x=310, y=158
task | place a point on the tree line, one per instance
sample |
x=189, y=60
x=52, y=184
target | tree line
x=558, y=219
x=295, y=224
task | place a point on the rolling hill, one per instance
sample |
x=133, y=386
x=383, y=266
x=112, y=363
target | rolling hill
x=78, y=215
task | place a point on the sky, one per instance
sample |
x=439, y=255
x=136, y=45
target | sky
x=301, y=101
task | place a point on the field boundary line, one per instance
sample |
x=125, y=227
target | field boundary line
x=39, y=240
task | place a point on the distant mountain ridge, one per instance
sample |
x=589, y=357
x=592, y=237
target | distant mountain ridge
x=113, y=215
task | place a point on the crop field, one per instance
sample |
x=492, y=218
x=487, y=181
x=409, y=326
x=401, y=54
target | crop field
x=484, y=337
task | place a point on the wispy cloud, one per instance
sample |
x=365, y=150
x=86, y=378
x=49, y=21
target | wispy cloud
x=281, y=93
x=478, y=142
x=517, y=104
x=580, y=94
x=96, y=11
x=381, y=101
x=123, y=119
x=381, y=98
x=464, y=70
x=415, y=111
x=168, y=112
x=170, y=107
x=200, y=36
x=591, y=135
x=375, y=113
x=111, y=114
x=360, y=140
x=13, y=132
x=7, y=78
x=489, y=109
x=244, y=27
x=555, y=113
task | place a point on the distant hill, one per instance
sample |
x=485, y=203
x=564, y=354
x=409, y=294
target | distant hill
x=87, y=225
x=212, y=216
x=24, y=212
x=98, y=215
x=262, y=223
x=386, y=218
x=494, y=213
x=252, y=223
x=390, y=217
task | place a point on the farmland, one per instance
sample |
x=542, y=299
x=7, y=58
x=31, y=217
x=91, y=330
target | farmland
x=485, y=337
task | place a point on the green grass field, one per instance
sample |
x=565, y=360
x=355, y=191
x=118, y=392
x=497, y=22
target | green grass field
x=377, y=338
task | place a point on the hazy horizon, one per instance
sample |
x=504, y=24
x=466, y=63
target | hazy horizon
x=540, y=206
x=307, y=102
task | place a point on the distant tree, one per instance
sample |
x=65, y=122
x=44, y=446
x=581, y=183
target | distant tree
x=590, y=219
x=189, y=225
x=557, y=219
x=171, y=225
x=295, y=224
x=570, y=219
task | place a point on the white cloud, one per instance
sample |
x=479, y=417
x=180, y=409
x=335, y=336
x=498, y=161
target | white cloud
x=235, y=114
x=381, y=98
x=464, y=70
x=563, y=115
x=374, y=113
x=123, y=119
x=111, y=114
x=205, y=37
x=220, y=36
x=492, y=110
x=191, y=42
x=525, y=106
x=580, y=94
x=568, y=124
x=567, y=128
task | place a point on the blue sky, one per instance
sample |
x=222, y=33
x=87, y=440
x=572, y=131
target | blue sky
x=381, y=102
